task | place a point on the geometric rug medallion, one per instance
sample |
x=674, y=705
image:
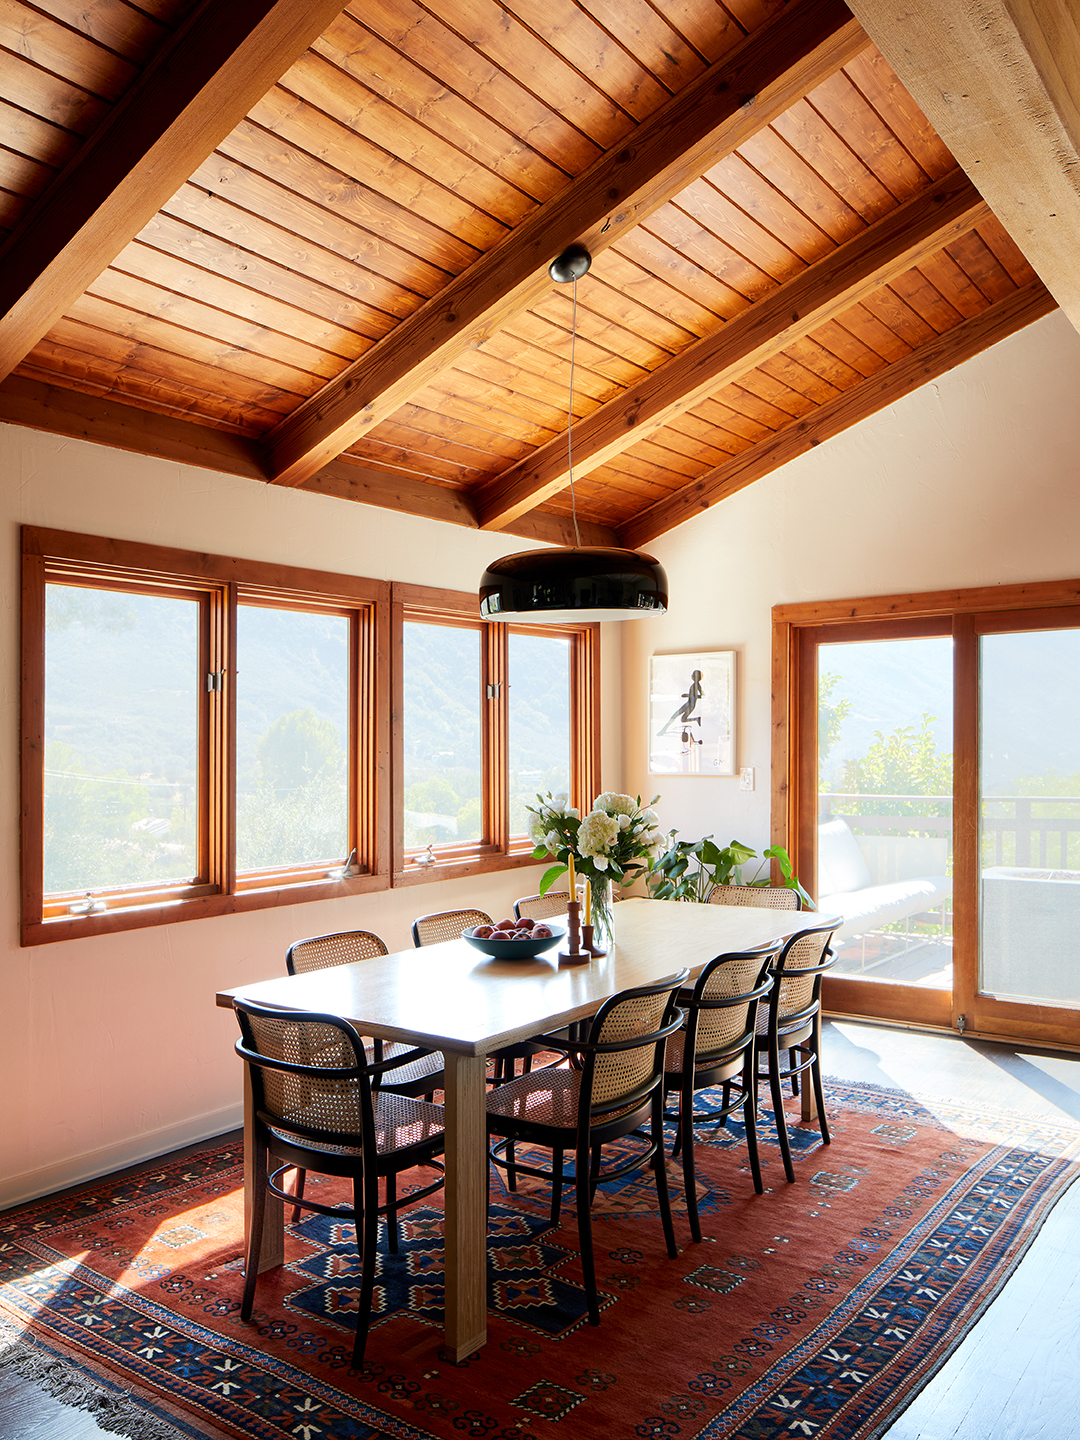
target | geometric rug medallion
x=816, y=1309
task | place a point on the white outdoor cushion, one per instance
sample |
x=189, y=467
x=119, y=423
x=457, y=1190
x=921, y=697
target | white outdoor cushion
x=841, y=864
x=877, y=905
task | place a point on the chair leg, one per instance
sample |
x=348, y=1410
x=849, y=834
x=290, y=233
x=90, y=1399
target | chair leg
x=366, y=1210
x=686, y=1131
x=255, y=1230
x=301, y=1176
x=660, y=1170
x=750, y=1116
x=819, y=1094
x=777, y=1092
x=511, y=1174
x=792, y=1061
x=594, y=1173
x=391, y=1214
x=556, y=1185
x=583, y=1189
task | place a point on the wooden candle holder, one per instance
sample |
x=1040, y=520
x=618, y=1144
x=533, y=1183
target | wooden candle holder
x=587, y=941
x=573, y=954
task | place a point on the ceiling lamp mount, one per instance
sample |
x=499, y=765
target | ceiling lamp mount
x=574, y=582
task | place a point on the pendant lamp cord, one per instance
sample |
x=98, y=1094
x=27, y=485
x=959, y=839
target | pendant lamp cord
x=570, y=421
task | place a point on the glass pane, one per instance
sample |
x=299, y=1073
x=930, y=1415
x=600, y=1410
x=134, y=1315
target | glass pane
x=539, y=721
x=121, y=739
x=292, y=738
x=443, y=793
x=1029, y=816
x=885, y=807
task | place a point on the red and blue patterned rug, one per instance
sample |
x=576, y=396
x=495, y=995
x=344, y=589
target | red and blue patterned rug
x=816, y=1309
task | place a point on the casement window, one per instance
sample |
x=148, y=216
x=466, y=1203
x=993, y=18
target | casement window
x=487, y=716
x=203, y=735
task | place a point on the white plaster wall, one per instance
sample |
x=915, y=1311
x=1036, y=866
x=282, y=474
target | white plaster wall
x=972, y=480
x=113, y=1050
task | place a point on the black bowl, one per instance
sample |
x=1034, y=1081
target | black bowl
x=524, y=949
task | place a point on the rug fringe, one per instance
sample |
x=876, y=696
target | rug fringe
x=113, y=1411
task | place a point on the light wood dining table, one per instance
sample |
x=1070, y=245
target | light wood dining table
x=452, y=998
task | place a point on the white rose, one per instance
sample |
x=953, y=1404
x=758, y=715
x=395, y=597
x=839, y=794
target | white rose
x=625, y=822
x=650, y=817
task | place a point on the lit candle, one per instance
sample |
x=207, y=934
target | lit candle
x=588, y=902
x=571, y=879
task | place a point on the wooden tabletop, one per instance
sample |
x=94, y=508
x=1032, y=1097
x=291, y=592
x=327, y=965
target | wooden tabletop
x=451, y=997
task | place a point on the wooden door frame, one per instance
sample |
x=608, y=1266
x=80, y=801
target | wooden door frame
x=797, y=631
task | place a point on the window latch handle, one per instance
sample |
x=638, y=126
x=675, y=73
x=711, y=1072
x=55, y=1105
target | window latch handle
x=215, y=680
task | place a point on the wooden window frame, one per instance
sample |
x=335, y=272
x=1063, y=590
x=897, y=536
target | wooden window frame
x=221, y=584
x=498, y=849
x=963, y=614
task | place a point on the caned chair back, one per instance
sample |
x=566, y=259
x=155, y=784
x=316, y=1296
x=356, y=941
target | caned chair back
x=309, y=1076
x=542, y=907
x=765, y=897
x=635, y=1025
x=446, y=925
x=323, y=951
x=719, y=1010
x=797, y=973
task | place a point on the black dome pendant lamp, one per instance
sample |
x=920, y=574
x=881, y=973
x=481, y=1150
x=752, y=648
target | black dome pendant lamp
x=576, y=582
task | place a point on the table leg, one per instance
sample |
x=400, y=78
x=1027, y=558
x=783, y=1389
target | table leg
x=466, y=1204
x=273, y=1236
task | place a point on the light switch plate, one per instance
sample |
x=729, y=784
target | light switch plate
x=746, y=777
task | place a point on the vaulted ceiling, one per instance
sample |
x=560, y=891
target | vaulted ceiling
x=309, y=244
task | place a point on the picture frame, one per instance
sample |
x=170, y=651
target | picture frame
x=692, y=713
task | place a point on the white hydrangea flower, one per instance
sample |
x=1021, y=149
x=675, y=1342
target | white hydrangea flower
x=597, y=833
x=612, y=803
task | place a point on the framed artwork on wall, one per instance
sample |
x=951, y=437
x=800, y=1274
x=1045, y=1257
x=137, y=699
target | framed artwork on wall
x=692, y=714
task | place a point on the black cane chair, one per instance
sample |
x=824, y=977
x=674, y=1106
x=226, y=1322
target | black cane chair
x=421, y=1071
x=542, y=907
x=792, y=1021
x=319, y=1106
x=716, y=1047
x=764, y=897
x=618, y=1089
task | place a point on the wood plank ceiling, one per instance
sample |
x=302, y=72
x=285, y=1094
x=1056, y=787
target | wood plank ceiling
x=352, y=262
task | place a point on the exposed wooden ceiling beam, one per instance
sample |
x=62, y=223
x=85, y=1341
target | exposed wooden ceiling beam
x=732, y=100
x=1000, y=82
x=915, y=230
x=107, y=421
x=198, y=88
x=966, y=340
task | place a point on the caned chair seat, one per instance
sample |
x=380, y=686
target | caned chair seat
x=718, y=1039
x=616, y=1090
x=317, y=1105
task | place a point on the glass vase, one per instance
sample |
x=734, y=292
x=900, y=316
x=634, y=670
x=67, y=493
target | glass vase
x=603, y=929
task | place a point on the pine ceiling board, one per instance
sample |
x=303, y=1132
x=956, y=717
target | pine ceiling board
x=823, y=362
x=155, y=299
x=917, y=291
x=954, y=284
x=525, y=391
x=138, y=370
x=744, y=234
x=12, y=209
x=112, y=23
x=48, y=98
x=550, y=365
x=605, y=299
x=634, y=484
x=1005, y=250
x=753, y=13
x=679, y=439
x=22, y=176
x=169, y=12
x=892, y=310
x=878, y=82
x=135, y=393
x=534, y=329
x=601, y=331
x=773, y=392
x=874, y=333
x=659, y=464
x=258, y=289
x=708, y=26
x=468, y=461
x=64, y=52
x=594, y=53
x=529, y=60
x=790, y=370
x=184, y=348
x=743, y=399
x=297, y=124
x=705, y=249
x=425, y=100
x=976, y=259
x=437, y=49
x=490, y=443
x=422, y=464
x=642, y=283
x=317, y=82
x=754, y=196
x=395, y=281
x=643, y=248
x=705, y=433
x=856, y=121
x=269, y=155
x=37, y=139
x=724, y=417
x=460, y=394
x=779, y=164
x=147, y=259
x=848, y=347
x=654, y=38
x=831, y=157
